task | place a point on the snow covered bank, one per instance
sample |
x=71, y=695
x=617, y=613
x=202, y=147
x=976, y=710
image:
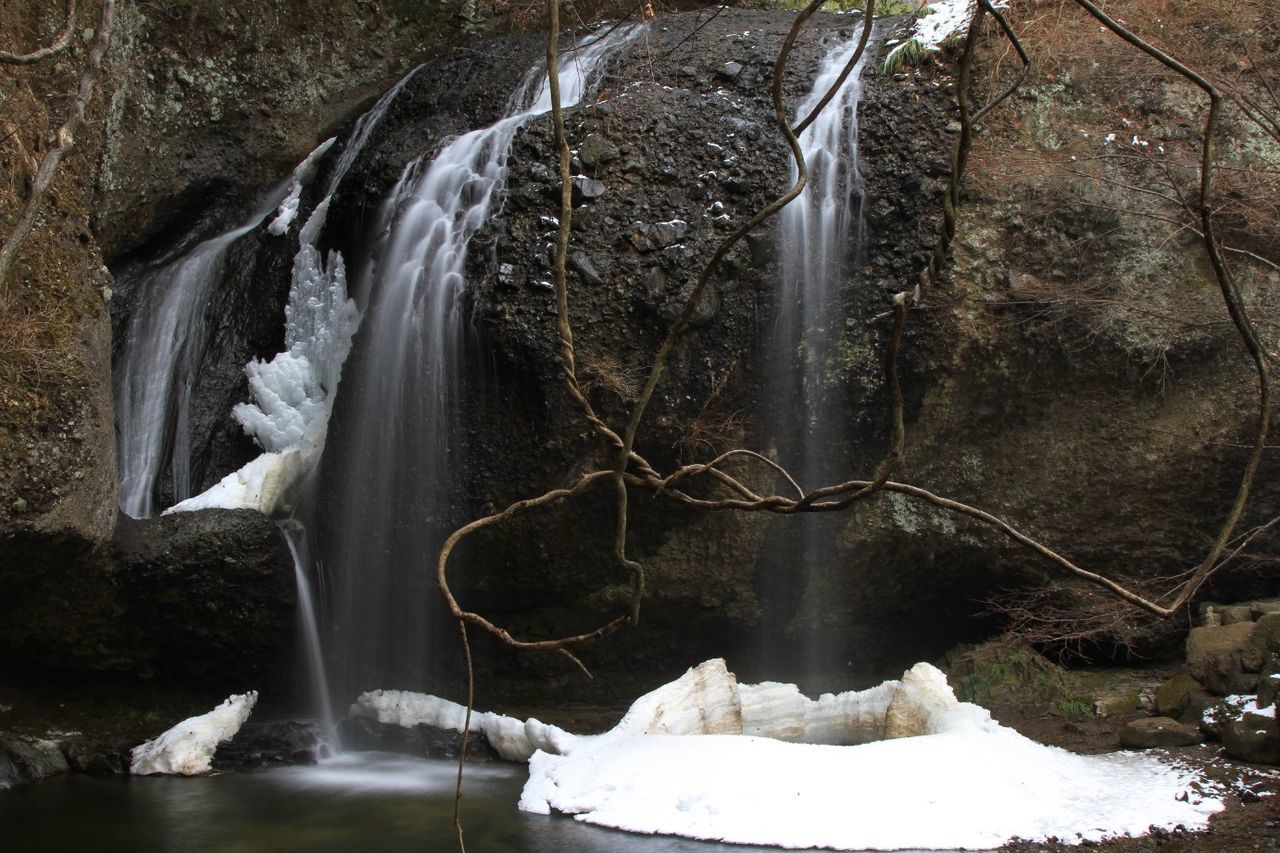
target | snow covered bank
x=187, y=748
x=947, y=776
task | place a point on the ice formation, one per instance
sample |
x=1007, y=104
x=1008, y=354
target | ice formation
x=301, y=176
x=293, y=393
x=901, y=765
x=187, y=748
x=514, y=740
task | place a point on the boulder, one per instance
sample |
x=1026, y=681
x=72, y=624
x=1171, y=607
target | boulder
x=1264, y=641
x=1269, y=683
x=365, y=733
x=1175, y=698
x=1214, y=657
x=595, y=151
x=274, y=744
x=85, y=755
x=1153, y=732
x=1254, y=738
x=28, y=761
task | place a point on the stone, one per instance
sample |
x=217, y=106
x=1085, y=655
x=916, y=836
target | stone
x=366, y=734
x=85, y=755
x=24, y=761
x=580, y=263
x=595, y=151
x=1264, y=641
x=730, y=71
x=1214, y=655
x=1117, y=703
x=1174, y=697
x=1233, y=613
x=274, y=744
x=1254, y=738
x=1152, y=732
x=586, y=189
x=1269, y=682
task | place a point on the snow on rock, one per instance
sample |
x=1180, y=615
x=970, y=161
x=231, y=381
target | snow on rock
x=940, y=21
x=927, y=772
x=514, y=740
x=187, y=748
x=266, y=484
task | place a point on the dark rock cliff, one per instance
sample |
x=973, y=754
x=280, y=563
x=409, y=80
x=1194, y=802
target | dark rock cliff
x=1044, y=378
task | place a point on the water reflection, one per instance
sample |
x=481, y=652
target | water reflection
x=356, y=802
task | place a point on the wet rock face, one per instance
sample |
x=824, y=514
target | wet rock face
x=210, y=594
x=28, y=761
x=364, y=734
x=216, y=100
x=668, y=160
x=203, y=598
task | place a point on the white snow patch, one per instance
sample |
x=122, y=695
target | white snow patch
x=187, y=748
x=265, y=484
x=941, y=21
x=937, y=774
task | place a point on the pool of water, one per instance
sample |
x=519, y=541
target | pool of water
x=355, y=802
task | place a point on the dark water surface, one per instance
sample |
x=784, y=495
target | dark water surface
x=357, y=802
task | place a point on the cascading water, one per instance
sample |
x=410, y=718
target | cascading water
x=383, y=501
x=160, y=361
x=822, y=245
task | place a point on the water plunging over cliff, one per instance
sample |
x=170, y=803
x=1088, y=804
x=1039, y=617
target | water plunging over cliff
x=821, y=248
x=159, y=366
x=384, y=495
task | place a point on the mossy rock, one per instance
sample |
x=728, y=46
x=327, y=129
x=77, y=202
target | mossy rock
x=1012, y=674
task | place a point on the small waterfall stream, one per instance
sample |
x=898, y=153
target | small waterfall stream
x=383, y=500
x=822, y=243
x=160, y=362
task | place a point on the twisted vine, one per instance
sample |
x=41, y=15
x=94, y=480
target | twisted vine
x=631, y=470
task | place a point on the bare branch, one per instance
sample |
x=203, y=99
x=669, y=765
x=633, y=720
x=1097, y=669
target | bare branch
x=65, y=141
x=59, y=44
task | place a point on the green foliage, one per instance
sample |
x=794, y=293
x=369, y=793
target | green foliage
x=909, y=53
x=1075, y=709
x=1009, y=675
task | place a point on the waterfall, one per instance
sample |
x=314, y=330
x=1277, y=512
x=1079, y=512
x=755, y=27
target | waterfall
x=295, y=537
x=161, y=357
x=383, y=503
x=163, y=349
x=821, y=248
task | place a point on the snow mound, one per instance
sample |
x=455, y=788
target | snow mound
x=187, y=748
x=925, y=772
